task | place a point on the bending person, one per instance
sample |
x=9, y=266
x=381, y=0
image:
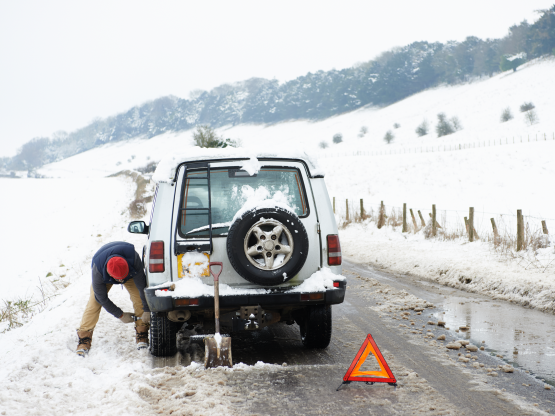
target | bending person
x=115, y=263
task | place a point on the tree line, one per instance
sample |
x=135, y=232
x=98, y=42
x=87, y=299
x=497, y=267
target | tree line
x=390, y=77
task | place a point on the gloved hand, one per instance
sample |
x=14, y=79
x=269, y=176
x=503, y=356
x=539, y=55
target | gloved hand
x=145, y=317
x=126, y=318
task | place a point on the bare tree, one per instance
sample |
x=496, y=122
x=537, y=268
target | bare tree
x=531, y=117
x=389, y=136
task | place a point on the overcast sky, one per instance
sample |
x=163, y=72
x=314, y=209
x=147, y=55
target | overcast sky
x=64, y=63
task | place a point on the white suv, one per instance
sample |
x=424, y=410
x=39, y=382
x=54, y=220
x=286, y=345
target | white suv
x=268, y=219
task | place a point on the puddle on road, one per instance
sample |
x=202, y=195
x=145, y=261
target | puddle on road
x=505, y=327
x=524, y=337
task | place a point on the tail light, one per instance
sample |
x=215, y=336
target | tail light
x=156, y=257
x=334, y=250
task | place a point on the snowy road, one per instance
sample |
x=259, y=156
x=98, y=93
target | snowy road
x=431, y=379
x=43, y=376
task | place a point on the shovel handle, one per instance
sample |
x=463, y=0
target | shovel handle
x=216, y=263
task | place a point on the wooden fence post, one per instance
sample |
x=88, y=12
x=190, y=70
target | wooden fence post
x=347, y=210
x=471, y=224
x=381, y=217
x=421, y=219
x=405, y=228
x=413, y=220
x=334, y=205
x=495, y=232
x=434, y=223
x=544, y=227
x=362, y=214
x=519, y=230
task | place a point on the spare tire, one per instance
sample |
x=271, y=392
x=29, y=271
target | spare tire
x=267, y=246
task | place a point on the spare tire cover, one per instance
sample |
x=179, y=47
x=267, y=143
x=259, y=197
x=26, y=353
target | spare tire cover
x=267, y=246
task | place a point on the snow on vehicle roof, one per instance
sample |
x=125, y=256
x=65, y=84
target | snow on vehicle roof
x=166, y=168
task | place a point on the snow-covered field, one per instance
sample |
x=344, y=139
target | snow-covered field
x=496, y=179
x=55, y=225
x=49, y=226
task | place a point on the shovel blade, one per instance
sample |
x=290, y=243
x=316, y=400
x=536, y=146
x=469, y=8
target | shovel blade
x=217, y=356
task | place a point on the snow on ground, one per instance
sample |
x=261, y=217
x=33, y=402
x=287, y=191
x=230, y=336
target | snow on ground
x=52, y=225
x=43, y=375
x=475, y=267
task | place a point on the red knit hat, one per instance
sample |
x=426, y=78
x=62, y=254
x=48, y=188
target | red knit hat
x=117, y=267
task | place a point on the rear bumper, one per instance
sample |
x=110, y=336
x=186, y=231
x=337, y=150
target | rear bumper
x=276, y=299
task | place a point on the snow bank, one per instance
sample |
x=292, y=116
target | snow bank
x=474, y=267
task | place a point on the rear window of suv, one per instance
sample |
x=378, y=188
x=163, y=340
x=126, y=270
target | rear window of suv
x=230, y=189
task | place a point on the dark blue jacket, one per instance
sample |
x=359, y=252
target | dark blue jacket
x=101, y=278
x=106, y=252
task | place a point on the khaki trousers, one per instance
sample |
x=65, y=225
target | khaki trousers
x=92, y=311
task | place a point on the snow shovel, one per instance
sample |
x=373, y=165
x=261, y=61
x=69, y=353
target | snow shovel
x=217, y=348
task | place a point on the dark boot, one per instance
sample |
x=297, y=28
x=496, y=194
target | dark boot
x=142, y=337
x=85, y=340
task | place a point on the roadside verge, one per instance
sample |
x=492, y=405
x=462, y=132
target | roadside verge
x=474, y=267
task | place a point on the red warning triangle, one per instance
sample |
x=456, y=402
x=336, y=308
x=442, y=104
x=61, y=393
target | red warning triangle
x=355, y=374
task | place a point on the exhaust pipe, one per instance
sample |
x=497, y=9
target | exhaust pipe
x=179, y=316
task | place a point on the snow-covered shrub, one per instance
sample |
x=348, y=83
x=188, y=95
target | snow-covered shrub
x=445, y=126
x=389, y=136
x=396, y=125
x=363, y=130
x=506, y=115
x=323, y=144
x=422, y=129
x=509, y=62
x=527, y=107
x=14, y=314
x=205, y=136
x=337, y=138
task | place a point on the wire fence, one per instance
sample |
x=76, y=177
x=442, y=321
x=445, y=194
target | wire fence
x=510, y=234
x=447, y=147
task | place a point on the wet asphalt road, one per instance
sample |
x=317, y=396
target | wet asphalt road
x=524, y=337
x=306, y=384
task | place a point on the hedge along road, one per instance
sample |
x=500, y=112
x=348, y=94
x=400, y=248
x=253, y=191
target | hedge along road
x=431, y=378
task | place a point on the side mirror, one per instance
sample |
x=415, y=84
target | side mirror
x=137, y=227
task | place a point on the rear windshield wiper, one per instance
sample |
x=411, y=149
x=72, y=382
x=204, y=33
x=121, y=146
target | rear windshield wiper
x=214, y=227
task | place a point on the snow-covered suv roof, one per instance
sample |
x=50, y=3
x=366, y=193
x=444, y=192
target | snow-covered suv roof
x=166, y=169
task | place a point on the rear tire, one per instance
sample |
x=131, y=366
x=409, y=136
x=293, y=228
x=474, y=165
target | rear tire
x=162, y=336
x=316, y=326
